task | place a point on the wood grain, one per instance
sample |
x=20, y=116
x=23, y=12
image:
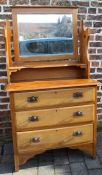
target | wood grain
x=49, y=70
x=47, y=64
x=51, y=73
x=53, y=138
x=37, y=85
x=54, y=117
x=84, y=41
x=8, y=48
x=14, y=135
x=86, y=148
x=51, y=98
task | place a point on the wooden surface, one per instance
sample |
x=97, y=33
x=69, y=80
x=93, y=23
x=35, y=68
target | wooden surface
x=86, y=148
x=33, y=71
x=54, y=117
x=52, y=98
x=37, y=85
x=53, y=138
x=84, y=40
x=8, y=43
x=52, y=73
x=14, y=135
x=41, y=64
x=8, y=49
x=95, y=126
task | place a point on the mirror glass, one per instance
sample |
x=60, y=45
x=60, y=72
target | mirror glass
x=45, y=34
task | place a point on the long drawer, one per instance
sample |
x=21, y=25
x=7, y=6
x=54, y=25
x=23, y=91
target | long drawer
x=48, y=98
x=53, y=138
x=54, y=117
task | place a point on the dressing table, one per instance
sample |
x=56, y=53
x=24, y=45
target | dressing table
x=52, y=98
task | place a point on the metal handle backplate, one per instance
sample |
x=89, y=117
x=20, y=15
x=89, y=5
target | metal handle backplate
x=33, y=118
x=78, y=114
x=77, y=94
x=35, y=140
x=32, y=99
x=77, y=133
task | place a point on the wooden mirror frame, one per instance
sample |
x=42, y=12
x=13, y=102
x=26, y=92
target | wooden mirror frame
x=44, y=10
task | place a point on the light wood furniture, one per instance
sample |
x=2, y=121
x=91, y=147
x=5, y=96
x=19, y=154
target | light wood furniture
x=53, y=103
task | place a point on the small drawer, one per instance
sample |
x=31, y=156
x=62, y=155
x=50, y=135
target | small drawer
x=58, y=97
x=54, y=117
x=53, y=138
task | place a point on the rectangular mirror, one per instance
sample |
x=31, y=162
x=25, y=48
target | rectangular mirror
x=45, y=33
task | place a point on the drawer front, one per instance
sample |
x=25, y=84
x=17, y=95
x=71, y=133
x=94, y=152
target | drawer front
x=54, y=138
x=49, y=98
x=54, y=117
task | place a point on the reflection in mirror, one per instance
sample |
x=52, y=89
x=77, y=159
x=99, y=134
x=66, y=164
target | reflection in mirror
x=45, y=34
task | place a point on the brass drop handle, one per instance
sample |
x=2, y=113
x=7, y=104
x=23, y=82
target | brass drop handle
x=77, y=94
x=32, y=99
x=78, y=114
x=33, y=118
x=35, y=140
x=77, y=133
